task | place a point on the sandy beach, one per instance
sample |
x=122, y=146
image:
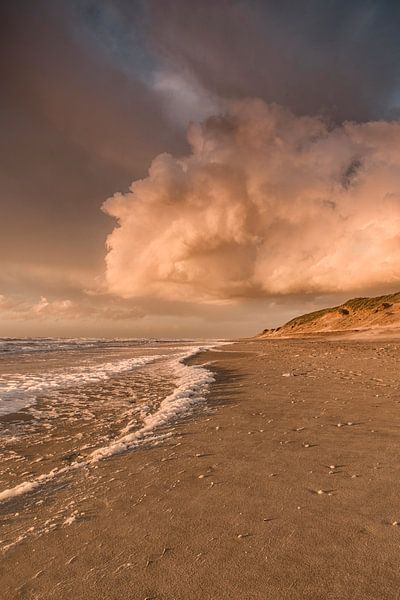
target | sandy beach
x=287, y=487
x=200, y=300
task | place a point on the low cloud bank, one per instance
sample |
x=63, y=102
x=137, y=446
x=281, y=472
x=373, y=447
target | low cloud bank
x=266, y=203
x=20, y=309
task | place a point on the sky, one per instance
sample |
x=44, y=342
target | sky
x=178, y=168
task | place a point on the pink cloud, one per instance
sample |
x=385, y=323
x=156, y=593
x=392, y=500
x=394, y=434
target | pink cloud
x=266, y=203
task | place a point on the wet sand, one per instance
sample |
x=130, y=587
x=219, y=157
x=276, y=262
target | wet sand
x=289, y=488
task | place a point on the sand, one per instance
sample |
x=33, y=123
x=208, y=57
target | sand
x=289, y=488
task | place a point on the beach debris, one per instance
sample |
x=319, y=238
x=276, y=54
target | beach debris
x=71, y=456
x=199, y=555
x=241, y=536
x=38, y=574
x=286, y=374
x=323, y=492
x=396, y=523
x=348, y=424
x=201, y=476
x=72, y=518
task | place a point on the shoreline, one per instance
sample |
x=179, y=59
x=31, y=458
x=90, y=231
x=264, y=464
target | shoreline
x=240, y=503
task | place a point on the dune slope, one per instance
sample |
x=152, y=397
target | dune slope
x=381, y=312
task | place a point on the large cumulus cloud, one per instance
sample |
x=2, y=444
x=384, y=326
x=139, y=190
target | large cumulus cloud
x=266, y=203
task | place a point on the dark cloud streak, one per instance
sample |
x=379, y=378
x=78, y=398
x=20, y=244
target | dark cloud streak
x=337, y=57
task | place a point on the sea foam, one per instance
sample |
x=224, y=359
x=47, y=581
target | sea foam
x=192, y=385
x=21, y=390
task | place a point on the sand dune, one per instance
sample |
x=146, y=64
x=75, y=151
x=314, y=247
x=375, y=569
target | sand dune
x=376, y=315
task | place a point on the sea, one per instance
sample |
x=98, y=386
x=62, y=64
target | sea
x=67, y=404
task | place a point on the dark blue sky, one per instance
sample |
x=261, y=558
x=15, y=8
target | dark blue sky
x=339, y=57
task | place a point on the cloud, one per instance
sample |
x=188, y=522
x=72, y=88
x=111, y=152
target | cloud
x=337, y=57
x=22, y=309
x=266, y=203
x=184, y=98
x=78, y=127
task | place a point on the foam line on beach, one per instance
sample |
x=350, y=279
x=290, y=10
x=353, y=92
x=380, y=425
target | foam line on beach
x=191, y=389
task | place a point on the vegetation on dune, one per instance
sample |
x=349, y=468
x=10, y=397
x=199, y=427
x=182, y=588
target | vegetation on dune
x=313, y=316
x=359, y=308
x=371, y=303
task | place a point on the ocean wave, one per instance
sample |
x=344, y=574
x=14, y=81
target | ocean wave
x=20, y=390
x=191, y=387
x=51, y=344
